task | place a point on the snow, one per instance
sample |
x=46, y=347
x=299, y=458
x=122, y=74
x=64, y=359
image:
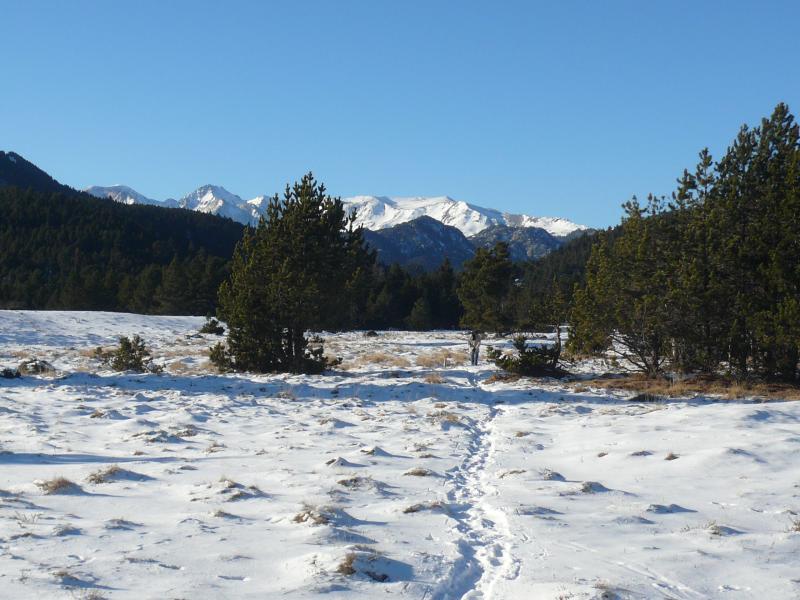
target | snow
x=380, y=212
x=125, y=195
x=380, y=479
x=372, y=212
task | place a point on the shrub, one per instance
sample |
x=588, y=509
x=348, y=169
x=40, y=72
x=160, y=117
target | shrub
x=132, y=355
x=536, y=361
x=212, y=327
x=220, y=357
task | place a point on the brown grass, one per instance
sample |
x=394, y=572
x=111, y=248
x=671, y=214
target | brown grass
x=57, y=485
x=501, y=377
x=651, y=389
x=435, y=505
x=311, y=514
x=98, y=352
x=103, y=475
x=434, y=378
x=441, y=358
x=378, y=358
x=419, y=472
x=346, y=566
x=443, y=416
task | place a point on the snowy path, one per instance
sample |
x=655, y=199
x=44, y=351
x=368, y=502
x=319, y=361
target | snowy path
x=390, y=479
x=482, y=543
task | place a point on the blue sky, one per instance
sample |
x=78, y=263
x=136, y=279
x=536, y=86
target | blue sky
x=548, y=108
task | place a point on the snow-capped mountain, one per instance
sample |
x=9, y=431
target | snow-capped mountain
x=125, y=195
x=211, y=199
x=216, y=200
x=372, y=212
x=380, y=212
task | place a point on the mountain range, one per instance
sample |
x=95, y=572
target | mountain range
x=372, y=212
x=412, y=231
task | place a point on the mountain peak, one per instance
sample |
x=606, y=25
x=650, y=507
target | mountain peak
x=381, y=212
x=122, y=194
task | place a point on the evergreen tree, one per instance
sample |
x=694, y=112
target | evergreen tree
x=294, y=273
x=714, y=282
x=623, y=306
x=486, y=288
x=421, y=317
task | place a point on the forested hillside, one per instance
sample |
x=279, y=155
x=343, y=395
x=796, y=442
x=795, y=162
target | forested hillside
x=66, y=250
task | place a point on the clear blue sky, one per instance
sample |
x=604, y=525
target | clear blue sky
x=548, y=108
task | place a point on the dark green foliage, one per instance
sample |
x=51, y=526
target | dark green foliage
x=624, y=301
x=394, y=294
x=564, y=267
x=486, y=289
x=132, y=355
x=74, y=251
x=531, y=359
x=303, y=268
x=220, y=357
x=714, y=282
x=212, y=327
x=420, y=318
x=18, y=172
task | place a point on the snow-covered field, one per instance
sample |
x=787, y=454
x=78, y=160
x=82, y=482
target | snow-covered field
x=377, y=481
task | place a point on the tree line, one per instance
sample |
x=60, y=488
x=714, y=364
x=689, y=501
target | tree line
x=64, y=250
x=708, y=280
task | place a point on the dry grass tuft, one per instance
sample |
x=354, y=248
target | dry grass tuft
x=419, y=472
x=356, y=482
x=441, y=358
x=444, y=416
x=57, y=485
x=104, y=475
x=435, y=505
x=434, y=378
x=346, y=566
x=511, y=472
x=380, y=358
x=313, y=515
x=699, y=385
x=501, y=377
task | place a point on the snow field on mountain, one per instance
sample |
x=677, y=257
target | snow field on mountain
x=372, y=212
x=404, y=473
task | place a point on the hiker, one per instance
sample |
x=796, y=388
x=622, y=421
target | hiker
x=474, y=346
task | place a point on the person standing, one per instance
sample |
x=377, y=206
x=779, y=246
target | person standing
x=474, y=346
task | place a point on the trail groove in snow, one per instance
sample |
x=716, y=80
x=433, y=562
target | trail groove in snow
x=484, y=545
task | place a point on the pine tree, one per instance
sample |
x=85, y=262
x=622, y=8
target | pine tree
x=623, y=305
x=294, y=273
x=486, y=288
x=421, y=317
